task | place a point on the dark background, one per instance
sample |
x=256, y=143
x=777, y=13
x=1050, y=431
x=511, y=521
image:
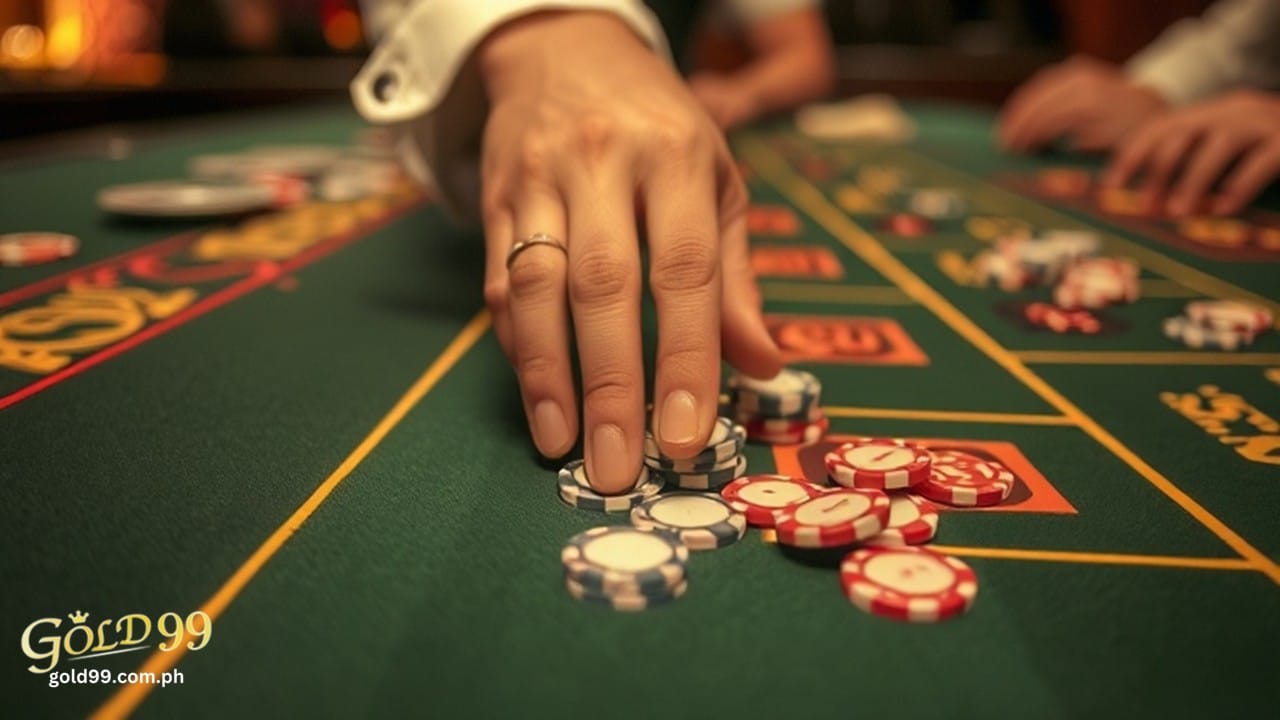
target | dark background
x=67, y=64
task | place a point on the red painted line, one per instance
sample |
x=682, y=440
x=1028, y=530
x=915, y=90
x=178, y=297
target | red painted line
x=212, y=302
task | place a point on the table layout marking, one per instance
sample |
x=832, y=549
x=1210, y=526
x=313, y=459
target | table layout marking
x=1068, y=556
x=128, y=697
x=948, y=416
x=849, y=294
x=1124, y=357
x=772, y=168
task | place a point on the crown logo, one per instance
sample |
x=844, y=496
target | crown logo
x=78, y=616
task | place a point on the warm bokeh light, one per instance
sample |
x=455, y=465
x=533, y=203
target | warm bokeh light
x=342, y=30
x=21, y=45
x=66, y=33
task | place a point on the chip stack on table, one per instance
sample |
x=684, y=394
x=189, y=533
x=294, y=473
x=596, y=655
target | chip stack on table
x=783, y=410
x=575, y=490
x=702, y=521
x=1095, y=283
x=625, y=568
x=1219, y=324
x=715, y=466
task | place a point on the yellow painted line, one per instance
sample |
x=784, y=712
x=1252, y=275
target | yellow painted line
x=1187, y=276
x=128, y=697
x=1066, y=556
x=771, y=167
x=946, y=416
x=1091, y=357
x=848, y=294
x=1157, y=288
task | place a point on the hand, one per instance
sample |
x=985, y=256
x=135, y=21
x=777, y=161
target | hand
x=1233, y=139
x=1083, y=99
x=728, y=103
x=587, y=125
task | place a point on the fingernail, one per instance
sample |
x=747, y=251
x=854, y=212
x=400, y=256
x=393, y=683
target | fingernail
x=678, y=423
x=550, y=429
x=608, y=458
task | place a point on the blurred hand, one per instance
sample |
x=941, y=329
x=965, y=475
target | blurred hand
x=1233, y=140
x=729, y=103
x=587, y=125
x=1085, y=100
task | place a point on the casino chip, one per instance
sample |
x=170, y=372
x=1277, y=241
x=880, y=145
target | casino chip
x=787, y=432
x=1234, y=315
x=1097, y=282
x=304, y=161
x=878, y=463
x=713, y=479
x=701, y=521
x=625, y=602
x=625, y=560
x=908, y=583
x=723, y=447
x=965, y=480
x=1061, y=321
x=761, y=497
x=835, y=518
x=23, y=249
x=791, y=392
x=937, y=203
x=185, y=199
x=912, y=521
x=1199, y=337
x=992, y=267
x=577, y=492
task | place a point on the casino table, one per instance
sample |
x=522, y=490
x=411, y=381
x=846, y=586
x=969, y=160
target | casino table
x=299, y=424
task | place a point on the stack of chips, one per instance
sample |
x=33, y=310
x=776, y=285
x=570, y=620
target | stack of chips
x=1219, y=324
x=711, y=469
x=783, y=410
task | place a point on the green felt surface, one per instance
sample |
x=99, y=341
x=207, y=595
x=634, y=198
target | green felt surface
x=429, y=580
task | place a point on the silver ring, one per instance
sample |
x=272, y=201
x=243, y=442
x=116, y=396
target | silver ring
x=534, y=239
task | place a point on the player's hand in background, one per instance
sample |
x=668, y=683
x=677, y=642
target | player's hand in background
x=1088, y=102
x=587, y=126
x=1232, y=141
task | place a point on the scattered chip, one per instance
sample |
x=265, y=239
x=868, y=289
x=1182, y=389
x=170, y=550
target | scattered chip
x=185, y=199
x=1238, y=315
x=965, y=480
x=908, y=583
x=611, y=560
x=23, y=249
x=878, y=463
x=912, y=521
x=1200, y=337
x=701, y=521
x=835, y=518
x=761, y=497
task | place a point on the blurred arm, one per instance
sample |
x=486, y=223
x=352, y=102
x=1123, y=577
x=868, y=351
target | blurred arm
x=1235, y=43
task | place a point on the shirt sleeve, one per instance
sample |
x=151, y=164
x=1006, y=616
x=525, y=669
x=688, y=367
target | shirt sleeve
x=1235, y=43
x=418, y=80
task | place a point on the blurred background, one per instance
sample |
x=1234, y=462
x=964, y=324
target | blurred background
x=67, y=64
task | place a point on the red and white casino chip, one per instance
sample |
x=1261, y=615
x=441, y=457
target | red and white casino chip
x=878, y=463
x=22, y=249
x=914, y=584
x=959, y=478
x=912, y=521
x=762, y=497
x=835, y=518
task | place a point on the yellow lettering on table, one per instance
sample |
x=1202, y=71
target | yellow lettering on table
x=43, y=339
x=953, y=265
x=1263, y=449
x=987, y=228
x=283, y=235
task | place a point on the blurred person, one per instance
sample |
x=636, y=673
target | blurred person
x=1195, y=108
x=557, y=124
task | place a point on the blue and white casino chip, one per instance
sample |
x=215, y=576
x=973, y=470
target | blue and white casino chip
x=625, y=602
x=576, y=490
x=702, y=522
x=616, y=560
x=709, y=480
x=724, y=445
x=788, y=394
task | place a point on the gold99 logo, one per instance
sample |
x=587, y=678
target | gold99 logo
x=45, y=640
